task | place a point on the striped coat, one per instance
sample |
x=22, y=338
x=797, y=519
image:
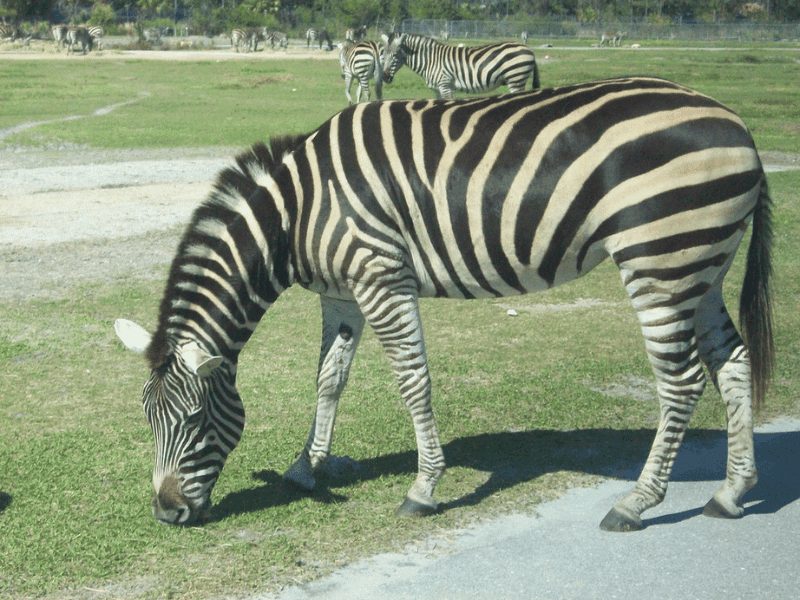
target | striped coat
x=361, y=62
x=447, y=68
x=474, y=198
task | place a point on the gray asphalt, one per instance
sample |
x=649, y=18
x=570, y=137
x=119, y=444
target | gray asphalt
x=560, y=553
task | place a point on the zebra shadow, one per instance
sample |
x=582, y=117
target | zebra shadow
x=274, y=492
x=513, y=458
x=5, y=501
x=777, y=460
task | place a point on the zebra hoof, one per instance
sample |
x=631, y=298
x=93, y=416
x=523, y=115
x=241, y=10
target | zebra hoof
x=718, y=511
x=616, y=521
x=412, y=508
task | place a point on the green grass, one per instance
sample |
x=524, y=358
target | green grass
x=516, y=398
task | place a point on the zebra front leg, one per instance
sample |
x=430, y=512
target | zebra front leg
x=342, y=325
x=680, y=382
x=724, y=353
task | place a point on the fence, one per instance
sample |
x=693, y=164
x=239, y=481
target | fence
x=546, y=30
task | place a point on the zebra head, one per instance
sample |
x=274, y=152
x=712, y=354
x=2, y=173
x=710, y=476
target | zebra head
x=393, y=56
x=197, y=418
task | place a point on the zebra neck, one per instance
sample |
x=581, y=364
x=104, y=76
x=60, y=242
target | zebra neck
x=230, y=268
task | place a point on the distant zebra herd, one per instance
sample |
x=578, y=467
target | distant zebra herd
x=445, y=68
x=247, y=38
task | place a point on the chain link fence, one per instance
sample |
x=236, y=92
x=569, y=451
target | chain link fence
x=543, y=31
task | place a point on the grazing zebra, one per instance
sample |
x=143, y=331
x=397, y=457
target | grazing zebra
x=97, y=33
x=484, y=197
x=447, y=68
x=79, y=35
x=356, y=35
x=318, y=35
x=277, y=38
x=361, y=61
x=613, y=39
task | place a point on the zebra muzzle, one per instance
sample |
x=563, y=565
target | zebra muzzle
x=172, y=507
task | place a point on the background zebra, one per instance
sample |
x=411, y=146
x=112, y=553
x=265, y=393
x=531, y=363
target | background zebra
x=79, y=35
x=356, y=35
x=318, y=35
x=96, y=32
x=613, y=39
x=361, y=61
x=473, y=198
x=10, y=32
x=240, y=38
x=59, y=33
x=277, y=38
x=447, y=68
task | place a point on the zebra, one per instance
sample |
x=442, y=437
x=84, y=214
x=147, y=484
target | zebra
x=361, y=61
x=613, y=39
x=79, y=35
x=97, y=32
x=318, y=35
x=356, y=35
x=59, y=33
x=277, y=38
x=447, y=68
x=10, y=32
x=524, y=38
x=238, y=38
x=388, y=202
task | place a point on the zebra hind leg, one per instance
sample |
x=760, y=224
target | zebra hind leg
x=395, y=318
x=674, y=355
x=342, y=325
x=723, y=351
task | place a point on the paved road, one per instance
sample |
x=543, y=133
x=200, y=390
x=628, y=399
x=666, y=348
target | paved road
x=562, y=554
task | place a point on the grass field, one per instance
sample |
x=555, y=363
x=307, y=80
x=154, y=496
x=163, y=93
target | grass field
x=525, y=407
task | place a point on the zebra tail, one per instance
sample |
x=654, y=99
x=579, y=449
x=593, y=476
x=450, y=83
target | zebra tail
x=536, y=84
x=755, y=305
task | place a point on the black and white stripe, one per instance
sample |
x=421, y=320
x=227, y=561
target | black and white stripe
x=96, y=32
x=361, y=62
x=473, y=198
x=447, y=68
x=318, y=35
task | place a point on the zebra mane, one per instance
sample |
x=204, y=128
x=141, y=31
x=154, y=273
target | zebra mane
x=233, y=185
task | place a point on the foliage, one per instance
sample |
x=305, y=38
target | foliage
x=103, y=15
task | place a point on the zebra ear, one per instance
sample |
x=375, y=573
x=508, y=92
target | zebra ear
x=132, y=335
x=198, y=360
